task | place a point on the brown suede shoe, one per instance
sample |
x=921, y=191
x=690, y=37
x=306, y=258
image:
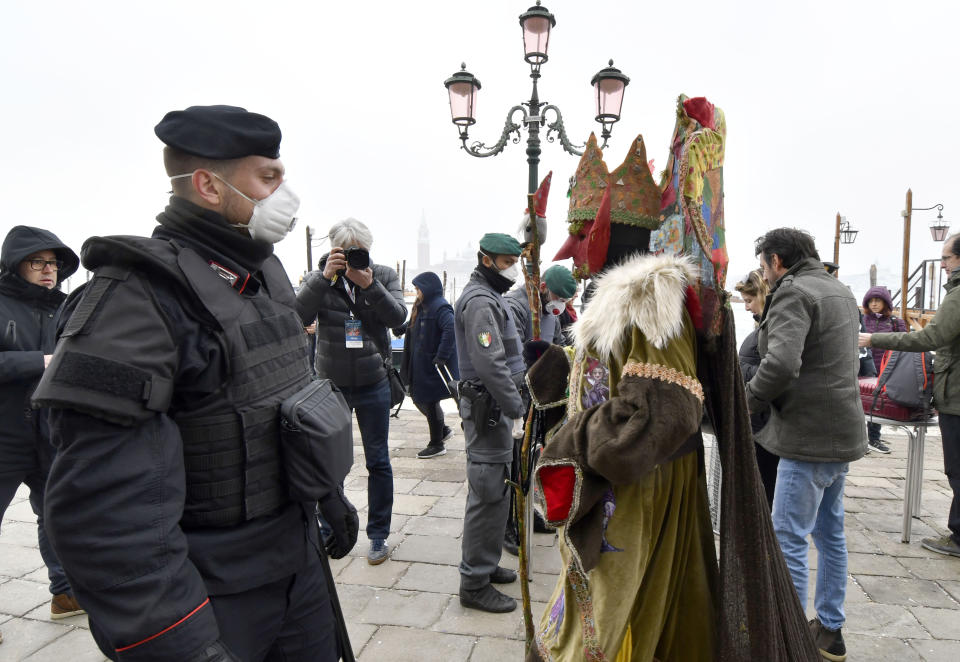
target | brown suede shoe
x=64, y=605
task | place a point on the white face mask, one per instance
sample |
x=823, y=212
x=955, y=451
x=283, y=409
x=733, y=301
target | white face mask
x=556, y=306
x=273, y=217
x=511, y=273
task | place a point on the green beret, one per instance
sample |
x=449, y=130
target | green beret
x=498, y=243
x=560, y=281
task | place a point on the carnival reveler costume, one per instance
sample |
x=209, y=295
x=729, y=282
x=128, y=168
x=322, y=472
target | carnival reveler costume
x=623, y=478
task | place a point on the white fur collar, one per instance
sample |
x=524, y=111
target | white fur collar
x=647, y=291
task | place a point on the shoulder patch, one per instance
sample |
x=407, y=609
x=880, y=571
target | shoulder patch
x=485, y=338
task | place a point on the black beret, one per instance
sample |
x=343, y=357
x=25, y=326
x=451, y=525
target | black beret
x=220, y=132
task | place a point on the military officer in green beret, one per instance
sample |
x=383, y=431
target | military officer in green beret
x=556, y=286
x=491, y=370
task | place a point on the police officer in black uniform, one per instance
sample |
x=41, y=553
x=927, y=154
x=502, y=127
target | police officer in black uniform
x=167, y=502
x=491, y=367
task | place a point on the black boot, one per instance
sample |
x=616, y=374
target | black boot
x=511, y=541
x=503, y=576
x=487, y=598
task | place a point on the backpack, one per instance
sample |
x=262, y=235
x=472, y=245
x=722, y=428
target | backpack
x=907, y=379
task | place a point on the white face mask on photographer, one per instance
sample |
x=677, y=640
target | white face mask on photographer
x=273, y=217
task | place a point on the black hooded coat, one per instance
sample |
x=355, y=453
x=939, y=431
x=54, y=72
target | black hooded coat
x=27, y=329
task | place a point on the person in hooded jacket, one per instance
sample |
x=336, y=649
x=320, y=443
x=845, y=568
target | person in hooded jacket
x=33, y=265
x=878, y=317
x=430, y=348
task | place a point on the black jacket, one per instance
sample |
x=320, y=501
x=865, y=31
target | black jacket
x=749, y=362
x=380, y=307
x=28, y=319
x=431, y=338
x=117, y=488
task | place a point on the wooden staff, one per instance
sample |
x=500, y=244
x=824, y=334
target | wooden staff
x=532, y=276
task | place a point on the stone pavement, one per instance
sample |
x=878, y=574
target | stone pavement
x=903, y=602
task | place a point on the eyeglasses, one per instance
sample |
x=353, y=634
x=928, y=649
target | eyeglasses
x=37, y=264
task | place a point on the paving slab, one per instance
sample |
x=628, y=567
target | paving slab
x=17, y=597
x=934, y=568
x=458, y=620
x=360, y=634
x=940, y=623
x=406, y=608
x=931, y=650
x=861, y=648
x=22, y=638
x=398, y=644
x=412, y=504
x=878, y=620
x=951, y=587
x=74, y=646
x=18, y=560
x=383, y=575
x=434, y=526
x=449, y=507
x=497, y=650
x=435, y=488
x=875, y=564
x=429, y=549
x=430, y=577
x=907, y=592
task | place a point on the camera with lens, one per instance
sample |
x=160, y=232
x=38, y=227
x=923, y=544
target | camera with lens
x=358, y=258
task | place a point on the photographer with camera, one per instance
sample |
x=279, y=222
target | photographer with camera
x=354, y=302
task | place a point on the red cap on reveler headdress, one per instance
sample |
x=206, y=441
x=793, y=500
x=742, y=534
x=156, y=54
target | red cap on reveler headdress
x=540, y=205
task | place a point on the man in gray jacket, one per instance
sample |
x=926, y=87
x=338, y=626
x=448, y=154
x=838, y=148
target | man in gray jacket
x=354, y=302
x=491, y=369
x=808, y=378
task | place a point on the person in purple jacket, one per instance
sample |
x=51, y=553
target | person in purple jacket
x=878, y=318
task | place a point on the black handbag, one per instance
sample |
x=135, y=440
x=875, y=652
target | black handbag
x=316, y=440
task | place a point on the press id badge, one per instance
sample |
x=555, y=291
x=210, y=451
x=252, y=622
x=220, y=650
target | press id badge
x=353, y=333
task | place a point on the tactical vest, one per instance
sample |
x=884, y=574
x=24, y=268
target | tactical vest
x=230, y=439
x=512, y=347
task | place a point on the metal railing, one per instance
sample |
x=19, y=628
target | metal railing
x=924, y=287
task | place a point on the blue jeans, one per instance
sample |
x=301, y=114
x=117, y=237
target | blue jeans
x=809, y=501
x=372, y=405
x=36, y=481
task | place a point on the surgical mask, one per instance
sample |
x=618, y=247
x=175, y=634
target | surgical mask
x=556, y=306
x=273, y=217
x=511, y=273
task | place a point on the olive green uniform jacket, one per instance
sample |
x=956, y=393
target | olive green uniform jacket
x=942, y=334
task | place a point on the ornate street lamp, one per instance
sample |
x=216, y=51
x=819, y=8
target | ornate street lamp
x=845, y=234
x=462, y=87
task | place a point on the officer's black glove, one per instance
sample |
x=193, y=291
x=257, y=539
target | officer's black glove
x=215, y=652
x=342, y=518
x=400, y=330
x=533, y=350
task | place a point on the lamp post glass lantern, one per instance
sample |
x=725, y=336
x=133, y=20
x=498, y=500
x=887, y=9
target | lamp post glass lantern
x=608, y=86
x=536, y=23
x=847, y=234
x=939, y=228
x=462, y=88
